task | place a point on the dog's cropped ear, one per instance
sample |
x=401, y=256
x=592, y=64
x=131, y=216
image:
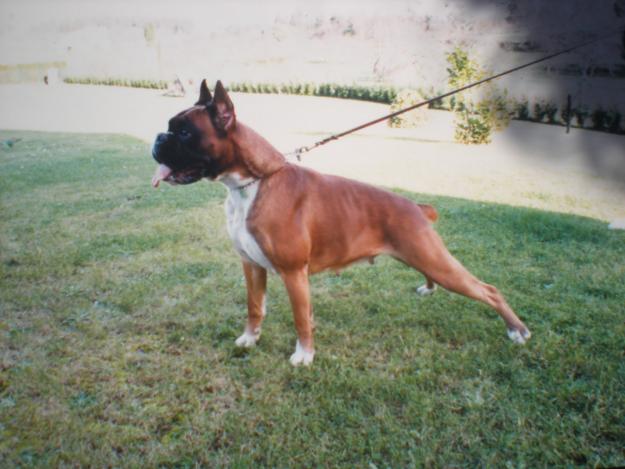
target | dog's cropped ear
x=224, y=117
x=205, y=95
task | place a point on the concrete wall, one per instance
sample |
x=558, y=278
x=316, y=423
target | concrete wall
x=396, y=42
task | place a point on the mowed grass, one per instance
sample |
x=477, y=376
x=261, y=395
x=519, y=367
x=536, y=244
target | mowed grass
x=120, y=305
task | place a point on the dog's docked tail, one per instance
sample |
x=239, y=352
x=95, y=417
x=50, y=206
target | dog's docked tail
x=429, y=212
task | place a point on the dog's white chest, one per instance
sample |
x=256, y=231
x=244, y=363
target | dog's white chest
x=238, y=206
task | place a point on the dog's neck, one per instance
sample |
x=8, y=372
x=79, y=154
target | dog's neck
x=255, y=154
x=237, y=182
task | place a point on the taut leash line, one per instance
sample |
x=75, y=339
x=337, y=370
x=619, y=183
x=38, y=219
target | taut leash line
x=298, y=152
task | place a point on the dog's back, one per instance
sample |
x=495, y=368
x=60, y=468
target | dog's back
x=339, y=220
x=429, y=211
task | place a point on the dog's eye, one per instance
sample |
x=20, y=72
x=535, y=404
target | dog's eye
x=184, y=134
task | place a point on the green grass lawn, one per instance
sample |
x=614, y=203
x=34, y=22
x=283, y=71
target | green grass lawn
x=120, y=305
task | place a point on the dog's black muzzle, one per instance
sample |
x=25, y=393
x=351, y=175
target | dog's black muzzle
x=161, y=142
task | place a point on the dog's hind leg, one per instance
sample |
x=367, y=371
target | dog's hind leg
x=428, y=288
x=256, y=282
x=427, y=253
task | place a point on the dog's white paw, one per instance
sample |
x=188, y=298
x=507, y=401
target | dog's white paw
x=519, y=337
x=423, y=290
x=247, y=340
x=301, y=356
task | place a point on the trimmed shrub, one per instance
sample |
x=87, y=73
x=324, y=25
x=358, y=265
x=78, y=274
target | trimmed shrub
x=522, y=110
x=581, y=114
x=540, y=111
x=551, y=110
x=613, y=121
x=599, y=119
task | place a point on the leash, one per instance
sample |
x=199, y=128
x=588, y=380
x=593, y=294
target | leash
x=298, y=152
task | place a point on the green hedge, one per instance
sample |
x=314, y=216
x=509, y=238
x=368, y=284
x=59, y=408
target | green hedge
x=605, y=120
x=376, y=94
x=543, y=111
x=151, y=84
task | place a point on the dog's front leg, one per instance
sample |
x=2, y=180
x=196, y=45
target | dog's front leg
x=297, y=286
x=256, y=281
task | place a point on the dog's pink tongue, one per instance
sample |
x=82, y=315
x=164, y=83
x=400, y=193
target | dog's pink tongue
x=162, y=173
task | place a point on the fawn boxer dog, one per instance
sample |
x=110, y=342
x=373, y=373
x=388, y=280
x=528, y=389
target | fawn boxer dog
x=296, y=222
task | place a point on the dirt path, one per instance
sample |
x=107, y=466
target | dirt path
x=527, y=165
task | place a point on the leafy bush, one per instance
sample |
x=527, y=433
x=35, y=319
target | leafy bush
x=606, y=120
x=539, y=111
x=522, y=110
x=498, y=109
x=599, y=119
x=446, y=104
x=406, y=98
x=477, y=114
x=551, y=110
x=545, y=111
x=613, y=121
x=581, y=114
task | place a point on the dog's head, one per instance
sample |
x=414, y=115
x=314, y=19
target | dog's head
x=196, y=144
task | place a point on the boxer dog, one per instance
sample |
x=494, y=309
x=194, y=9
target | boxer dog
x=296, y=222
